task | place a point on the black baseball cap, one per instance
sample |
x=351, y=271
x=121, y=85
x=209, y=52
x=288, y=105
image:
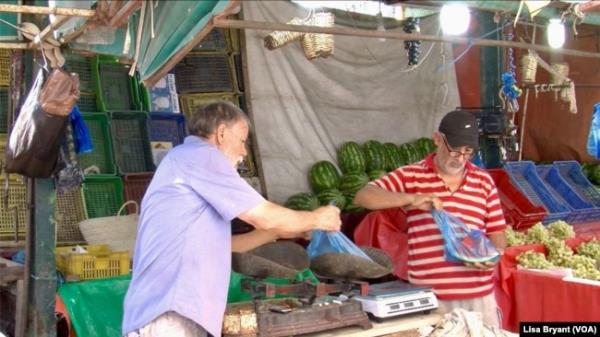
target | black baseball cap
x=460, y=128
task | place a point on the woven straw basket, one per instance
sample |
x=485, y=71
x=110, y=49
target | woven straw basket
x=319, y=45
x=279, y=38
x=118, y=232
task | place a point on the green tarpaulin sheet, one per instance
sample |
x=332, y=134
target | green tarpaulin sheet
x=95, y=307
x=176, y=23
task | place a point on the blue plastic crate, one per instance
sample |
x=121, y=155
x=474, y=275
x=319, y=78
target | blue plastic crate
x=581, y=209
x=167, y=127
x=525, y=177
x=571, y=172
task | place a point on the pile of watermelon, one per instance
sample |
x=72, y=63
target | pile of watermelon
x=358, y=165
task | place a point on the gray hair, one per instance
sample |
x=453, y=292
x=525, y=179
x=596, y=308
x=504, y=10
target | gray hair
x=205, y=121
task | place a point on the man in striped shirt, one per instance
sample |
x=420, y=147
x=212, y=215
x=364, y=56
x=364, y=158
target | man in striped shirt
x=446, y=179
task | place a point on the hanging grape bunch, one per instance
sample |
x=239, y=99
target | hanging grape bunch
x=413, y=47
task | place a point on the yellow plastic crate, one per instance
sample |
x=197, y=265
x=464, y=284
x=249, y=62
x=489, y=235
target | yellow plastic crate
x=98, y=262
x=4, y=67
x=13, y=207
x=191, y=102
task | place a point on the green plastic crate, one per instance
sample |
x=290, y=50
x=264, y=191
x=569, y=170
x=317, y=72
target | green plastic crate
x=103, y=195
x=83, y=67
x=4, y=109
x=102, y=155
x=131, y=142
x=87, y=102
x=115, y=89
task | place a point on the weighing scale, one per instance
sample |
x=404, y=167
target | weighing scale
x=397, y=298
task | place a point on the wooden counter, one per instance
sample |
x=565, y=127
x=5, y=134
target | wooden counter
x=387, y=327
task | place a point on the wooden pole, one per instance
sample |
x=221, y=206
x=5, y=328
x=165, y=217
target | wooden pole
x=51, y=27
x=47, y=10
x=523, y=120
x=16, y=45
x=271, y=26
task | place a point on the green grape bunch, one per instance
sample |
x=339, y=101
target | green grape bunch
x=514, y=238
x=533, y=260
x=537, y=234
x=590, y=249
x=561, y=230
x=558, y=252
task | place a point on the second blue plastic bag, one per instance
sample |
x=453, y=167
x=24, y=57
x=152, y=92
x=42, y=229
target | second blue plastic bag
x=332, y=242
x=593, y=144
x=462, y=244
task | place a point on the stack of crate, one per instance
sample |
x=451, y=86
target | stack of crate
x=13, y=196
x=213, y=71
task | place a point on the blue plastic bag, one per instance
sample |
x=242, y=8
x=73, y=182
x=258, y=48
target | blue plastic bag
x=81, y=134
x=462, y=244
x=332, y=242
x=593, y=144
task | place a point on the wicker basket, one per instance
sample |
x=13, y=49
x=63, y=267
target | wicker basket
x=118, y=232
x=319, y=45
x=278, y=39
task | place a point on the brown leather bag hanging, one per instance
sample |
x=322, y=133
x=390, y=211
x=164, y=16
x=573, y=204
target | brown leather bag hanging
x=34, y=141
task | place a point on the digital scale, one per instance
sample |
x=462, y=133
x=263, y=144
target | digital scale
x=397, y=298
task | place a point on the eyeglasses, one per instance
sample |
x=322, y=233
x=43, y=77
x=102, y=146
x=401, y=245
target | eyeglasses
x=455, y=154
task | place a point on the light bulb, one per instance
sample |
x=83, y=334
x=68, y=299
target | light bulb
x=454, y=19
x=380, y=26
x=556, y=33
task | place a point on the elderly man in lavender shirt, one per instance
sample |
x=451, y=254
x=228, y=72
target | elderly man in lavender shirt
x=182, y=257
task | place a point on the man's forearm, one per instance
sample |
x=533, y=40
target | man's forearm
x=373, y=197
x=244, y=242
x=498, y=240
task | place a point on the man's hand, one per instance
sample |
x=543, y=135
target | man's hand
x=425, y=202
x=327, y=218
x=481, y=265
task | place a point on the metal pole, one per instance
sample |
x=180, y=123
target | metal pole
x=523, y=119
x=270, y=26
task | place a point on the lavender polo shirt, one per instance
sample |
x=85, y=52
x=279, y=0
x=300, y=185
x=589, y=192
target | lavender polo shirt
x=182, y=257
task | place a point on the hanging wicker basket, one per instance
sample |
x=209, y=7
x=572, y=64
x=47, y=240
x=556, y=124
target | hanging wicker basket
x=278, y=39
x=319, y=45
x=118, y=232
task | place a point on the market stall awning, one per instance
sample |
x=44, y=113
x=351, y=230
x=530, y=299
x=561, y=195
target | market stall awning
x=161, y=33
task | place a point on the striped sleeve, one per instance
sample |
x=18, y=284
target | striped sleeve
x=494, y=216
x=393, y=181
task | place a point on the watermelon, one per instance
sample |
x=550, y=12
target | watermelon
x=323, y=176
x=351, y=207
x=374, y=155
x=413, y=153
x=302, y=202
x=351, y=183
x=351, y=158
x=332, y=197
x=394, y=159
x=406, y=153
x=376, y=174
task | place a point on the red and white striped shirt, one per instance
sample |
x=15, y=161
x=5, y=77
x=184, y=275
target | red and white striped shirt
x=476, y=203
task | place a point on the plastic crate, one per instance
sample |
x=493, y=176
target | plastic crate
x=103, y=195
x=83, y=67
x=87, y=102
x=4, y=97
x=581, y=209
x=190, y=103
x=571, y=172
x=518, y=210
x=216, y=40
x=525, y=177
x=13, y=207
x=204, y=73
x=135, y=188
x=102, y=156
x=167, y=127
x=4, y=67
x=98, y=262
x=69, y=211
x=131, y=142
x=114, y=88
x=236, y=61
